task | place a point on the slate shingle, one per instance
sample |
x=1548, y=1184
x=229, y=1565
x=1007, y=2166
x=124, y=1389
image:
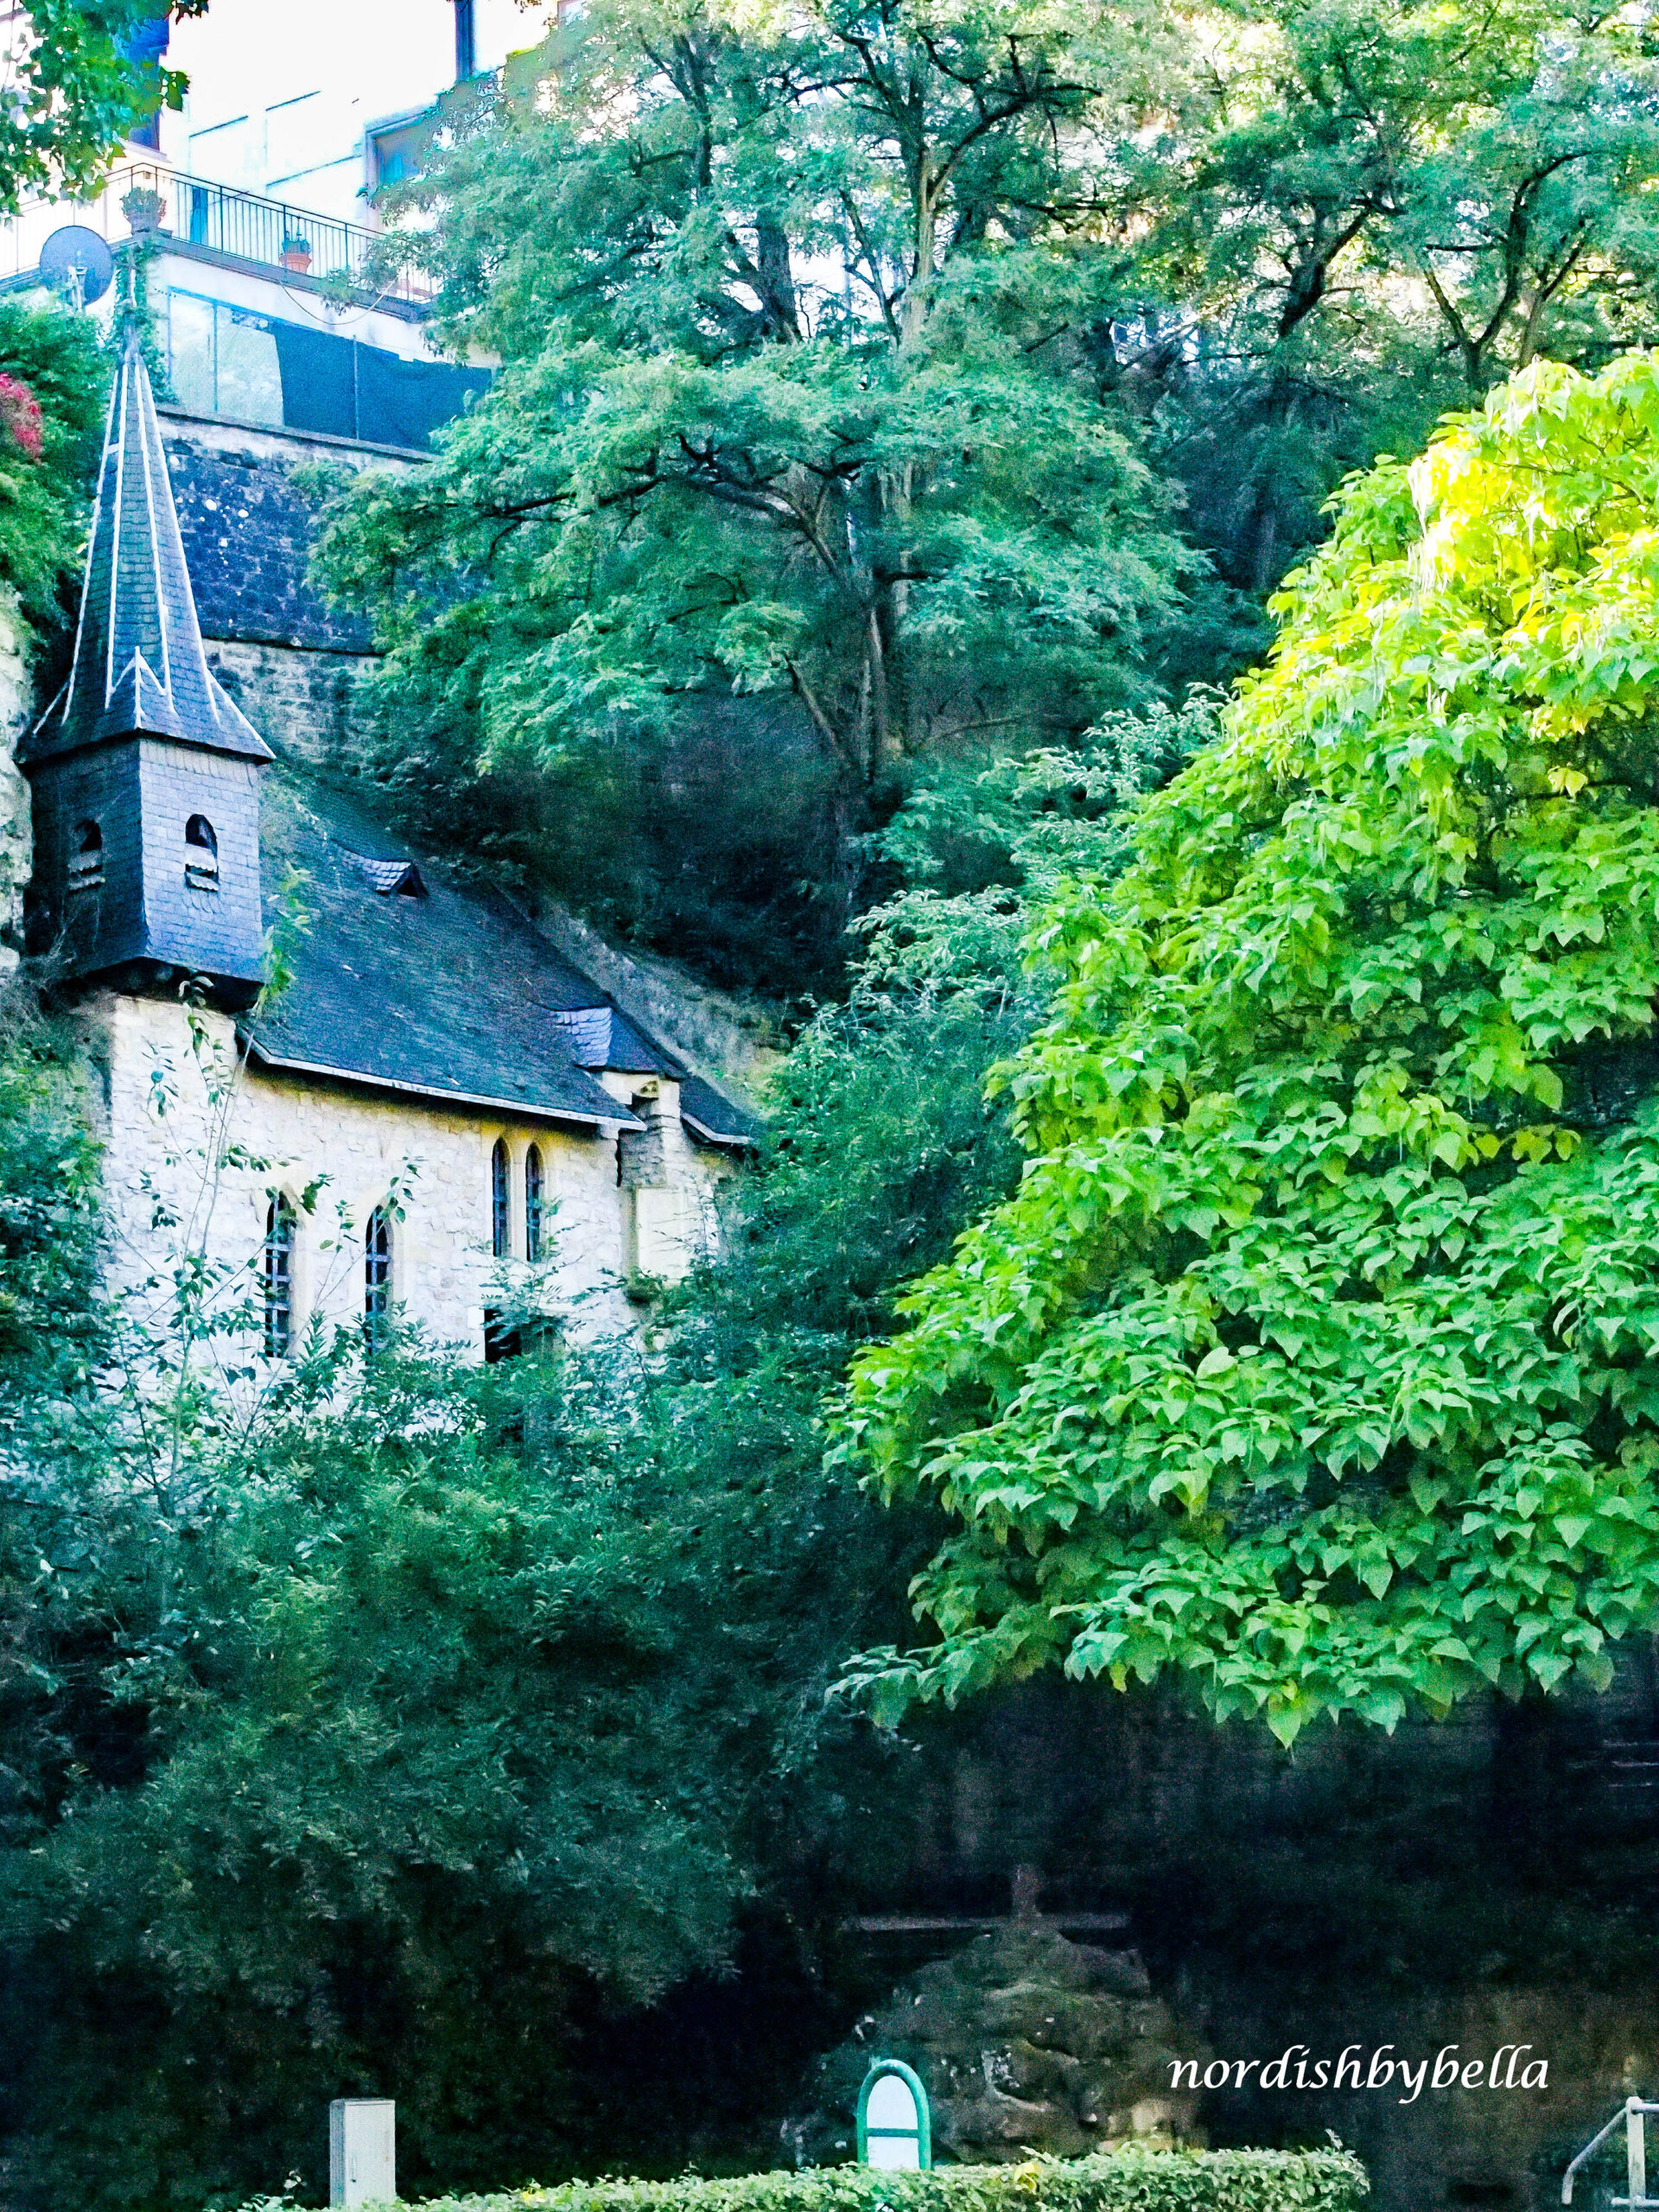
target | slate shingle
x=448, y=994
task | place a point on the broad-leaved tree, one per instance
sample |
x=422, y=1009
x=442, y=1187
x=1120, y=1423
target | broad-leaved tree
x=1316, y=1356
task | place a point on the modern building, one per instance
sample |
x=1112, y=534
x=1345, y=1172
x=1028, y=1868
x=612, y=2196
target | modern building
x=256, y=209
x=436, y=1112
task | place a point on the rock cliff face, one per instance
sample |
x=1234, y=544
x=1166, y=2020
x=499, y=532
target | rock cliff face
x=1024, y=2041
x=16, y=840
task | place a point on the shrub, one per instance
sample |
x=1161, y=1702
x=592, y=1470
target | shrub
x=1112, y=2180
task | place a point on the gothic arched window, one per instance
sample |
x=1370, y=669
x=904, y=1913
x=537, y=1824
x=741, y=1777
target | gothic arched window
x=500, y=1201
x=277, y=1273
x=201, y=854
x=534, y=1203
x=85, y=856
x=377, y=1280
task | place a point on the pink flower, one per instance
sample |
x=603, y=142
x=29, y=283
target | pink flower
x=20, y=413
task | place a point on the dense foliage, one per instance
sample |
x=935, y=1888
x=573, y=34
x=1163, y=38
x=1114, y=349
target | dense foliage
x=1118, y=2181
x=784, y=461
x=413, y=1721
x=1315, y=1354
x=76, y=84
x=390, y=1740
x=886, y=386
x=897, y=405
x=48, y=1183
x=53, y=377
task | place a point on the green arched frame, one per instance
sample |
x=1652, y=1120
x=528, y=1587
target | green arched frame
x=922, y=2134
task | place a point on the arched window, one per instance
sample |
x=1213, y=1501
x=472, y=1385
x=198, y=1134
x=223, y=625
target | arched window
x=277, y=1270
x=201, y=854
x=86, y=857
x=377, y=1280
x=533, y=1203
x=500, y=1201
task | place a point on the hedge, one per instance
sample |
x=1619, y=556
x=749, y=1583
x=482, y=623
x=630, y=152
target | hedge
x=1112, y=2180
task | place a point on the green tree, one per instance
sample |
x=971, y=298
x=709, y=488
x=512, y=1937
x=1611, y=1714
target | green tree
x=51, y=405
x=1361, y=217
x=789, y=412
x=1314, y=1356
x=74, y=93
x=871, y=375
x=48, y=1187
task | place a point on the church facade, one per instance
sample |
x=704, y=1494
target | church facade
x=334, y=1086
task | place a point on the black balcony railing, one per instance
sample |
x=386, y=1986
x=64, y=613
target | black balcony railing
x=146, y=198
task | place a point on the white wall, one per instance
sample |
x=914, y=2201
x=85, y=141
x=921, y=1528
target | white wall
x=283, y=91
x=272, y=295
x=163, y=1128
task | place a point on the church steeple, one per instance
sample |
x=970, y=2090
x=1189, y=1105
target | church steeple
x=139, y=666
x=145, y=773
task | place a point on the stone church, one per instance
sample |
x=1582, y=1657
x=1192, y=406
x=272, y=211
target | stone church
x=343, y=1085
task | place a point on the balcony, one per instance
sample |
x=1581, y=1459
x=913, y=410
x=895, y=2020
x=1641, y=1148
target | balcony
x=218, y=223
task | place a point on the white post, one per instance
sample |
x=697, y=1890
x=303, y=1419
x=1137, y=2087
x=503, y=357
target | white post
x=1636, y=2145
x=362, y=2151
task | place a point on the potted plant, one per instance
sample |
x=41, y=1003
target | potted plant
x=296, y=253
x=143, y=208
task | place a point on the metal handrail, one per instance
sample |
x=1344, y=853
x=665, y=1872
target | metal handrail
x=246, y=225
x=1632, y=2114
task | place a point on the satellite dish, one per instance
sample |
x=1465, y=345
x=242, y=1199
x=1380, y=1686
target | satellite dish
x=76, y=260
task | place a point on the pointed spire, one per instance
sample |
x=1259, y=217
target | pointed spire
x=139, y=666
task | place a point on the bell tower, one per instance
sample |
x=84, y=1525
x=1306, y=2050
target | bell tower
x=145, y=775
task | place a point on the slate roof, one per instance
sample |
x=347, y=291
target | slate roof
x=709, y=1113
x=400, y=981
x=139, y=667
x=602, y=1037
x=433, y=991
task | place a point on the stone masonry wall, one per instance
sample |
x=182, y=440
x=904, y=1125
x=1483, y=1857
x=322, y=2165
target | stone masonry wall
x=707, y=1027
x=302, y=700
x=248, y=531
x=669, y=1185
x=292, y=662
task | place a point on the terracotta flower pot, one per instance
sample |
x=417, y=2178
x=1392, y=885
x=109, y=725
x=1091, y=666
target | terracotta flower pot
x=144, y=210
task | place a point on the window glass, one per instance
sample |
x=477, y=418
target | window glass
x=278, y=1271
x=190, y=366
x=401, y=151
x=249, y=383
x=377, y=1280
x=533, y=1203
x=222, y=360
x=297, y=138
x=500, y=1202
